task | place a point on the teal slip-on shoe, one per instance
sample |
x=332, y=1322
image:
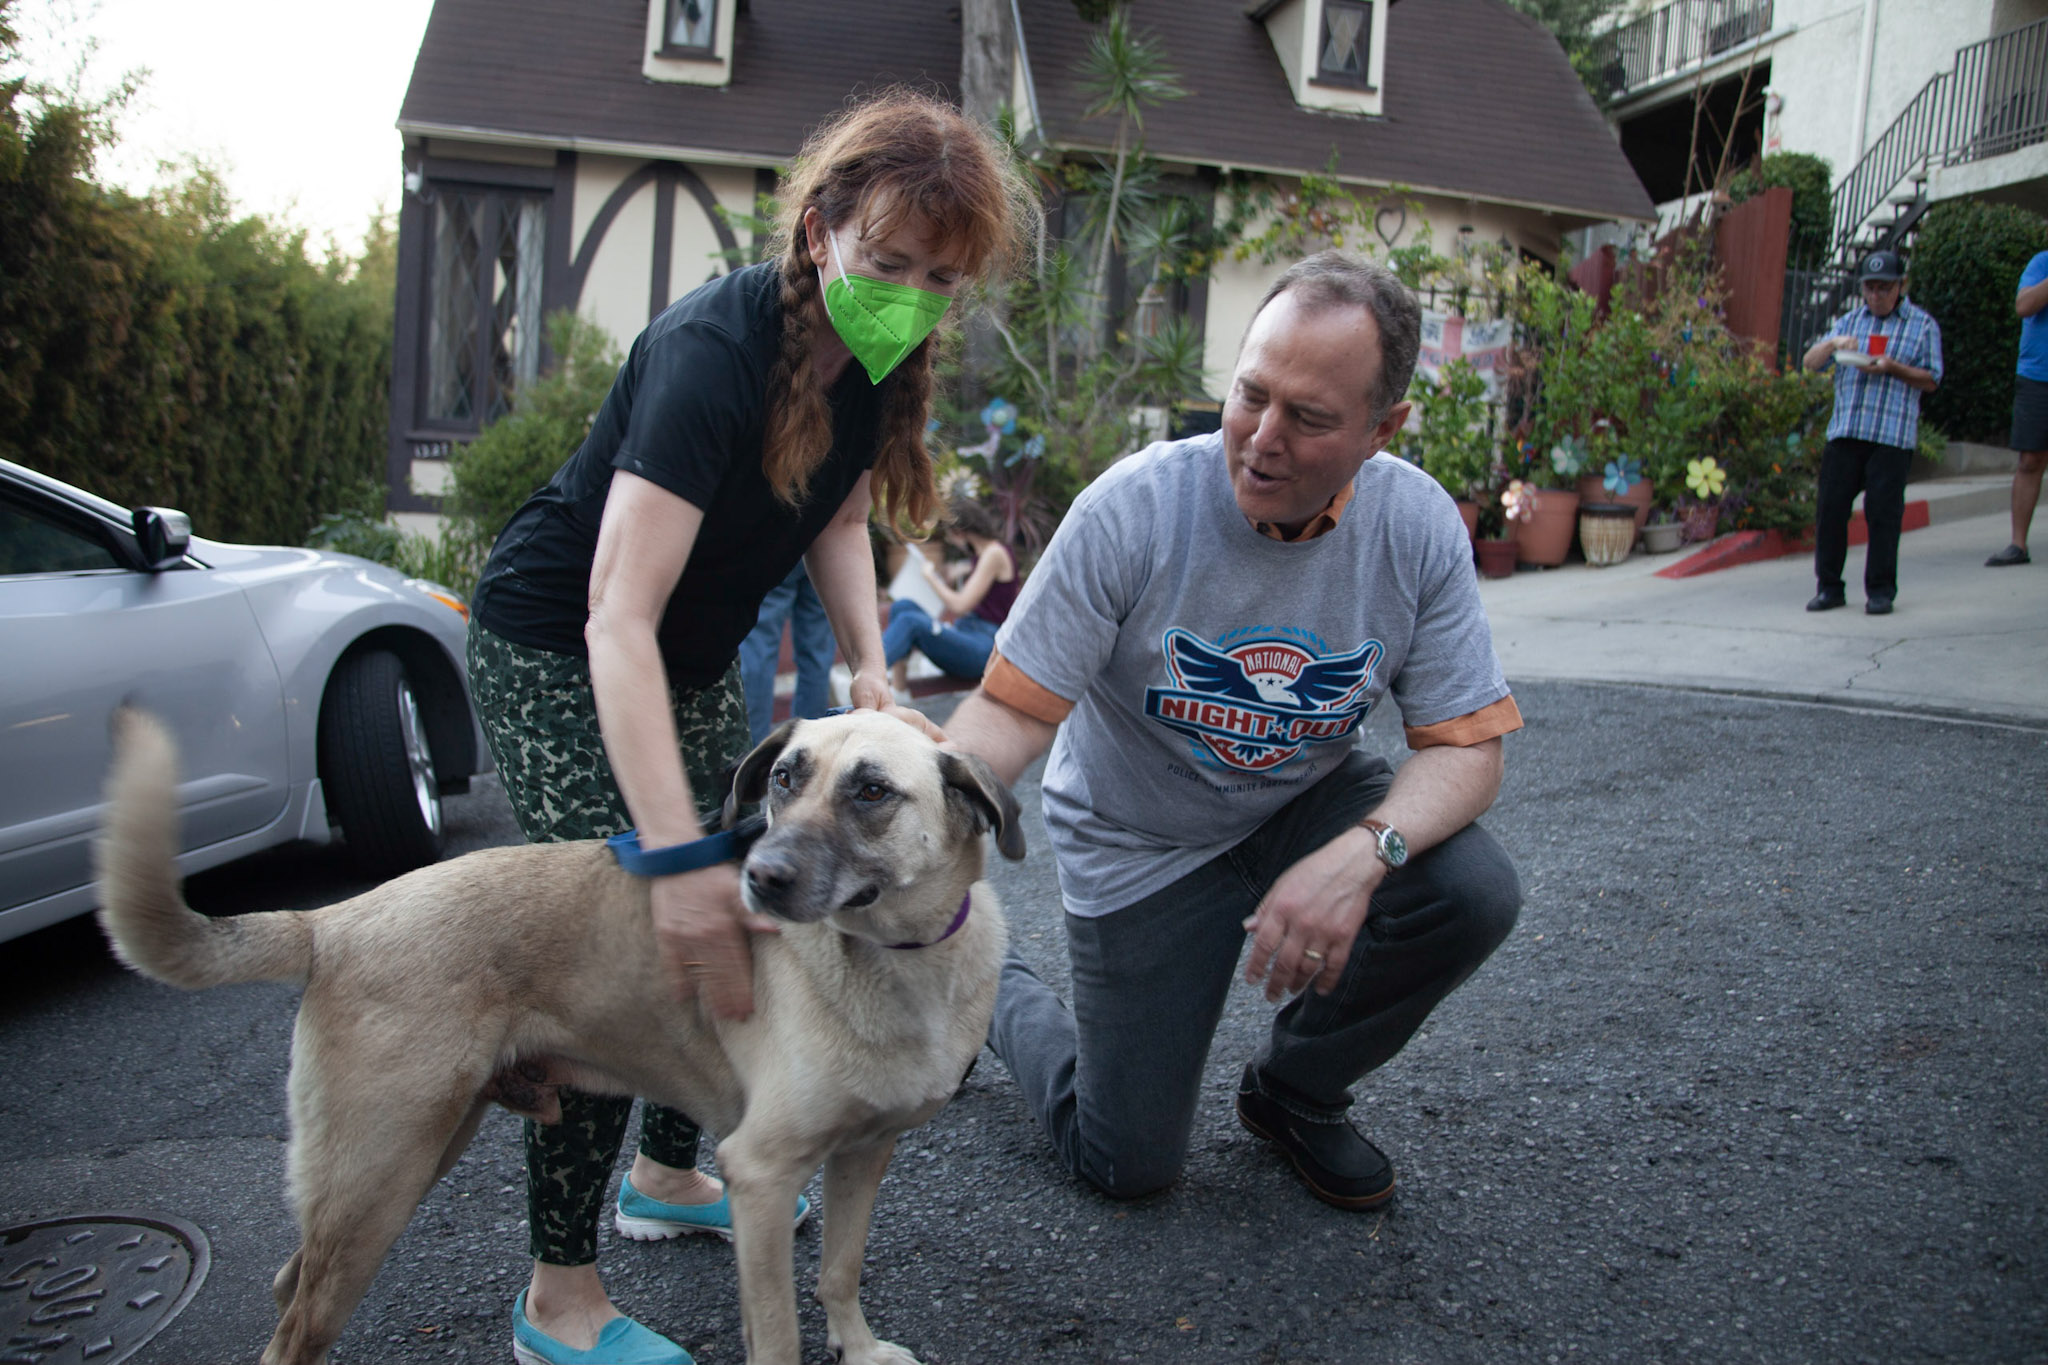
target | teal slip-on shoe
x=622, y=1342
x=649, y=1220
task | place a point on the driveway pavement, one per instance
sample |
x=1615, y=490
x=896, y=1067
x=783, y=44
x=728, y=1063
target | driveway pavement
x=1964, y=640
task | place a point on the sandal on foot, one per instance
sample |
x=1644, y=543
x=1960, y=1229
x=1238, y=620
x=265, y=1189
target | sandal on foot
x=622, y=1342
x=649, y=1220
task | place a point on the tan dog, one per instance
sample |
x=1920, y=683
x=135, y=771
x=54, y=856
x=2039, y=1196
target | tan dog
x=867, y=1010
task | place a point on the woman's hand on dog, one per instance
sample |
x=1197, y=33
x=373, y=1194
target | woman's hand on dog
x=700, y=930
x=870, y=692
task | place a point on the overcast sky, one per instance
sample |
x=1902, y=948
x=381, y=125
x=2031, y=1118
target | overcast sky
x=293, y=102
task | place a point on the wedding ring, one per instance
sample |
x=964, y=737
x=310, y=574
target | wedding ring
x=1312, y=955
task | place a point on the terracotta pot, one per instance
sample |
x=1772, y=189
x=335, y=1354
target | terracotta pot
x=1546, y=538
x=1496, y=558
x=1469, y=510
x=1592, y=488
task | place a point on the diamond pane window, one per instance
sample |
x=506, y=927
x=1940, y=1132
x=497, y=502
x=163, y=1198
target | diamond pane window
x=692, y=24
x=484, y=302
x=1347, y=36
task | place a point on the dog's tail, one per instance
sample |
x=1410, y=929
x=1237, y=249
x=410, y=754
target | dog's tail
x=144, y=915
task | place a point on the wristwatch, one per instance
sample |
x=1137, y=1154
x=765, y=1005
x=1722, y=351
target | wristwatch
x=1389, y=844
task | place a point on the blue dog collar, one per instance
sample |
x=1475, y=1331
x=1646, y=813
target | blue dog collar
x=724, y=847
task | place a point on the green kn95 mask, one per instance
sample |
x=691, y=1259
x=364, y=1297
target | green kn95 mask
x=880, y=322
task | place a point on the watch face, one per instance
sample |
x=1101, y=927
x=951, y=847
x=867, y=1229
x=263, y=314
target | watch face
x=1393, y=848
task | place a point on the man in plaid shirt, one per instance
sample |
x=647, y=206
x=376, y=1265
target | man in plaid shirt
x=1886, y=353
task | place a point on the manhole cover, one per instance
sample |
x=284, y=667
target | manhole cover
x=95, y=1286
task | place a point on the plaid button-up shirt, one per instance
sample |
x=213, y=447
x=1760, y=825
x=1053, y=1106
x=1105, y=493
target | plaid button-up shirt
x=1878, y=407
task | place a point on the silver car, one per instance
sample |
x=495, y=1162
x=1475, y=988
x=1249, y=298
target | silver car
x=307, y=690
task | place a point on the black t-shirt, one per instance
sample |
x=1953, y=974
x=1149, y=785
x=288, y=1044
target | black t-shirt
x=687, y=412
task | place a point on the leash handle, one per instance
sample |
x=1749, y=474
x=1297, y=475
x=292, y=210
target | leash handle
x=727, y=846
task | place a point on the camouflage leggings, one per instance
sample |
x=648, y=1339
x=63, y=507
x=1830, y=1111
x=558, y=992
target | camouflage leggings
x=541, y=723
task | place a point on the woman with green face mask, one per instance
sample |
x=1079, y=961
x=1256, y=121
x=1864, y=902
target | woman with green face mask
x=755, y=422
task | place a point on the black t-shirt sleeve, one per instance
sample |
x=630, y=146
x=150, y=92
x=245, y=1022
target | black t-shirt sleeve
x=695, y=410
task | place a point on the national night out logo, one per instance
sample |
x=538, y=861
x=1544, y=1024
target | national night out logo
x=1254, y=704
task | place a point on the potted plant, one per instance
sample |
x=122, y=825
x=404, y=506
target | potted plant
x=1499, y=516
x=1701, y=513
x=1454, y=440
x=1663, y=535
x=1620, y=479
x=1545, y=537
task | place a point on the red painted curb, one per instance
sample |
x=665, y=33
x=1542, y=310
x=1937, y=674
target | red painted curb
x=1751, y=547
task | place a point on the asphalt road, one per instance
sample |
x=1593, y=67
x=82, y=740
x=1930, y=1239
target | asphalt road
x=1757, y=1078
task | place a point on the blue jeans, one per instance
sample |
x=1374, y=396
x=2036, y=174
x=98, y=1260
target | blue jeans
x=961, y=649
x=1115, y=1081
x=794, y=600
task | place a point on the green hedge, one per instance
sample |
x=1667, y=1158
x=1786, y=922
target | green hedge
x=161, y=350
x=1965, y=270
x=1813, y=198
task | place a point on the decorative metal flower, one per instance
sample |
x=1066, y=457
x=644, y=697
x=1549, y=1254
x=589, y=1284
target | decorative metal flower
x=1518, y=501
x=1000, y=414
x=1705, y=477
x=960, y=482
x=1622, y=471
x=1030, y=450
x=1568, y=457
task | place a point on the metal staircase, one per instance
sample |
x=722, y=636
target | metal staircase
x=1993, y=100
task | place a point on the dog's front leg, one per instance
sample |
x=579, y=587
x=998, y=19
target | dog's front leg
x=851, y=1179
x=763, y=1187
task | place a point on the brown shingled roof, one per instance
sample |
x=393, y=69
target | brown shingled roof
x=568, y=71
x=1479, y=101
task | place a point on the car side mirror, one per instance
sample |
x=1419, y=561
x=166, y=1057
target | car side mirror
x=163, y=533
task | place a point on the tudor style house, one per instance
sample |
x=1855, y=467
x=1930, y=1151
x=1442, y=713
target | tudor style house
x=578, y=153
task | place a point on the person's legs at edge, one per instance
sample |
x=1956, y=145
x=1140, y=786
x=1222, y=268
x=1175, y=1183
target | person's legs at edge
x=814, y=645
x=1884, y=511
x=761, y=651
x=2026, y=492
x=2029, y=439
x=1841, y=479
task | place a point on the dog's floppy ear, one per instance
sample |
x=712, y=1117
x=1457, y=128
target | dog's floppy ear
x=750, y=779
x=986, y=793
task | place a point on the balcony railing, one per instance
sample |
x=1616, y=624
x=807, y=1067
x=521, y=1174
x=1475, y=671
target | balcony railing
x=1676, y=38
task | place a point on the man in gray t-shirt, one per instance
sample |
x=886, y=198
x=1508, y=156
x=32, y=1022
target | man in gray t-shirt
x=1198, y=647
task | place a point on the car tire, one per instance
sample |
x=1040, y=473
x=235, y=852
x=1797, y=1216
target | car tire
x=376, y=768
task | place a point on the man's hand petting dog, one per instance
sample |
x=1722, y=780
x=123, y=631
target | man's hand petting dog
x=701, y=928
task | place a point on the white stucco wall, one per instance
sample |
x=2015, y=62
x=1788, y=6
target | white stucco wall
x=615, y=289
x=694, y=257
x=1236, y=287
x=1817, y=69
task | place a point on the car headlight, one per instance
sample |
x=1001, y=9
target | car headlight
x=444, y=596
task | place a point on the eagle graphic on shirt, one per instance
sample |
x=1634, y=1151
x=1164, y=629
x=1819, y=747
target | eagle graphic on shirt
x=1256, y=703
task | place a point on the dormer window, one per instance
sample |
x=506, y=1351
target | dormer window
x=1333, y=51
x=689, y=42
x=692, y=28
x=1347, y=43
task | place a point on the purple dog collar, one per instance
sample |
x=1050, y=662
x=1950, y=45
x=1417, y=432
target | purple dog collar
x=966, y=903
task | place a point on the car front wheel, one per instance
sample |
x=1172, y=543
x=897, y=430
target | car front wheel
x=376, y=767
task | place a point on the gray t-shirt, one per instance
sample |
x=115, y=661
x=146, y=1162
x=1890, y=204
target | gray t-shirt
x=1217, y=672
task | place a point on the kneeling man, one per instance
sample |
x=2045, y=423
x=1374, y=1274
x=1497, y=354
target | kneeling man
x=1198, y=647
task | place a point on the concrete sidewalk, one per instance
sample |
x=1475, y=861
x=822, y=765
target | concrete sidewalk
x=1964, y=639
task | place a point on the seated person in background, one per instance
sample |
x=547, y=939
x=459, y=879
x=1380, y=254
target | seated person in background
x=979, y=604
